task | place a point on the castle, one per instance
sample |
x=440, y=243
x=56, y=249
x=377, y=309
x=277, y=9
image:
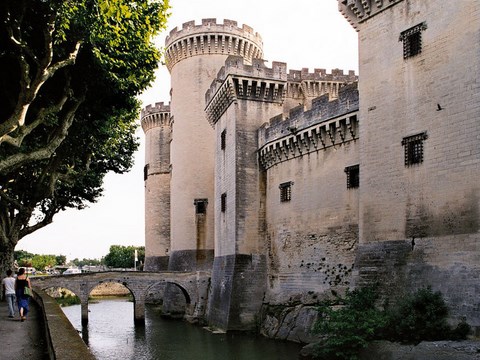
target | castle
x=291, y=186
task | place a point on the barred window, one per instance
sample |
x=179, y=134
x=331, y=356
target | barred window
x=412, y=40
x=223, y=202
x=285, y=191
x=353, y=176
x=223, y=136
x=200, y=206
x=413, y=147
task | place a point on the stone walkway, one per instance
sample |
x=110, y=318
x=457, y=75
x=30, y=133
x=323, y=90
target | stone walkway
x=22, y=340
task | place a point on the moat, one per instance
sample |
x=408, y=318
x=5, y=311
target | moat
x=111, y=334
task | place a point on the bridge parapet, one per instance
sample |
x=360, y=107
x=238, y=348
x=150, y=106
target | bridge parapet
x=194, y=286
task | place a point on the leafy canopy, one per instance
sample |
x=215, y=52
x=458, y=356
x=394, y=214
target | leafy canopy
x=124, y=256
x=70, y=71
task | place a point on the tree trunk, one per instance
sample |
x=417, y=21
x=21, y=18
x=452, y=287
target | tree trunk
x=7, y=249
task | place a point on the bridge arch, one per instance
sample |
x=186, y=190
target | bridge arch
x=138, y=283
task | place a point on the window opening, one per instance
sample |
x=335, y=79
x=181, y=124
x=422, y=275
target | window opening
x=223, y=139
x=412, y=40
x=285, y=191
x=223, y=202
x=353, y=176
x=413, y=147
x=200, y=206
x=145, y=172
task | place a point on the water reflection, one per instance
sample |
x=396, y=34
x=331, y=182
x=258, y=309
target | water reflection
x=111, y=334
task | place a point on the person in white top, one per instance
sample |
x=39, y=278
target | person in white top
x=9, y=292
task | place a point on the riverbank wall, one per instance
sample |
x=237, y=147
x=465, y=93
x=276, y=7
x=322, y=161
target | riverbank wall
x=62, y=338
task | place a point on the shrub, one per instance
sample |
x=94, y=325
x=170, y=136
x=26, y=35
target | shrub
x=357, y=321
x=421, y=316
x=349, y=328
x=67, y=300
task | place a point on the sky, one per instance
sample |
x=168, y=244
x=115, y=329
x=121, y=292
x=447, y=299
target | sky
x=304, y=34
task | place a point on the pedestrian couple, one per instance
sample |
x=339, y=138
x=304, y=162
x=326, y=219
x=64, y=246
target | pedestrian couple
x=16, y=288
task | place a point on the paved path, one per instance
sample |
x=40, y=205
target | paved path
x=22, y=340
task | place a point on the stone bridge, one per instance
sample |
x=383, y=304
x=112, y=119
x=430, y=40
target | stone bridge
x=193, y=285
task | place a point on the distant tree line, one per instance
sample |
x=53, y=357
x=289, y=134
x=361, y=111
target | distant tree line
x=118, y=257
x=40, y=262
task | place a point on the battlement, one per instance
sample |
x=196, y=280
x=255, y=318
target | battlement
x=357, y=11
x=212, y=38
x=303, y=84
x=155, y=115
x=237, y=80
x=235, y=66
x=211, y=26
x=329, y=123
x=321, y=75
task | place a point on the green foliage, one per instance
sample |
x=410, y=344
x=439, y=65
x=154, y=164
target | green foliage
x=67, y=299
x=60, y=259
x=349, y=328
x=349, y=324
x=124, y=256
x=418, y=317
x=75, y=67
x=92, y=262
x=23, y=258
x=40, y=262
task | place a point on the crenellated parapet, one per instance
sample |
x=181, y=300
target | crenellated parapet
x=330, y=123
x=212, y=38
x=302, y=84
x=237, y=80
x=155, y=116
x=356, y=11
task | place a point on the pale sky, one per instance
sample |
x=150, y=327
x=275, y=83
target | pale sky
x=304, y=34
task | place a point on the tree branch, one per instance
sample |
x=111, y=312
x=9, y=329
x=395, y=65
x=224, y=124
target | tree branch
x=14, y=161
x=25, y=130
x=12, y=201
x=30, y=89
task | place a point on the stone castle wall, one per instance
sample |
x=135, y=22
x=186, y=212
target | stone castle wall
x=311, y=239
x=419, y=223
x=405, y=224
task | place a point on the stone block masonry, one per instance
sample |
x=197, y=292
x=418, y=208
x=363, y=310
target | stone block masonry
x=294, y=186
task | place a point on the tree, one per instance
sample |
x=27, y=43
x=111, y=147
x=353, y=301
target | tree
x=124, y=256
x=70, y=71
x=60, y=260
x=40, y=262
x=84, y=261
x=23, y=258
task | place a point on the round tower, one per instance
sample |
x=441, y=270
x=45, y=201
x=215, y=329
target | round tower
x=194, y=55
x=158, y=133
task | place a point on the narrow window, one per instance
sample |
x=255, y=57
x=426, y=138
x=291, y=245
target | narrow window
x=285, y=191
x=145, y=172
x=413, y=147
x=412, y=40
x=353, y=176
x=223, y=139
x=223, y=202
x=200, y=206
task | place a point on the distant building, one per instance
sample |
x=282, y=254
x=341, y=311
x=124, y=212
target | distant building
x=294, y=185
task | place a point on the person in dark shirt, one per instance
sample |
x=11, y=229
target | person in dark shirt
x=22, y=298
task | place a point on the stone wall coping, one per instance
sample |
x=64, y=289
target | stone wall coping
x=63, y=341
